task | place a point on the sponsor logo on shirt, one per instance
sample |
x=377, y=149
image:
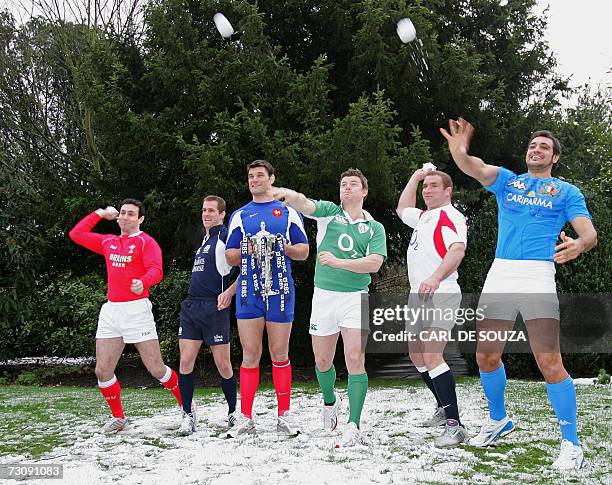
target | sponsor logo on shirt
x=119, y=260
x=531, y=194
x=517, y=184
x=277, y=212
x=112, y=246
x=198, y=265
x=549, y=189
x=363, y=228
x=524, y=200
x=341, y=220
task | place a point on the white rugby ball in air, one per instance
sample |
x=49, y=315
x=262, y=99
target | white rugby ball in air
x=223, y=26
x=429, y=167
x=405, y=30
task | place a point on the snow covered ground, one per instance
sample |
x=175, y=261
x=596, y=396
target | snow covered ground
x=398, y=450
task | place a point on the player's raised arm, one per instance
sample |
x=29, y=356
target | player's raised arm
x=294, y=199
x=459, y=138
x=408, y=196
x=82, y=233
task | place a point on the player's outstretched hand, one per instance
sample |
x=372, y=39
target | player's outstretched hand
x=224, y=300
x=283, y=194
x=137, y=287
x=110, y=213
x=460, y=136
x=569, y=249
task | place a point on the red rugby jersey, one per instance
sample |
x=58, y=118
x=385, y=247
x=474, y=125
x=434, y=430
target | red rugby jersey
x=127, y=257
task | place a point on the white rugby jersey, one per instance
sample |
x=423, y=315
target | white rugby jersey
x=434, y=232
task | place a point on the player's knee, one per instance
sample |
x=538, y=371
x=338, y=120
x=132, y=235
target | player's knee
x=251, y=359
x=549, y=362
x=186, y=366
x=279, y=352
x=103, y=374
x=487, y=362
x=279, y=355
x=432, y=360
x=355, y=361
x=156, y=368
x=323, y=363
x=225, y=369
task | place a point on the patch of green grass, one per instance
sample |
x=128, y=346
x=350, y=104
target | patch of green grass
x=34, y=420
x=157, y=443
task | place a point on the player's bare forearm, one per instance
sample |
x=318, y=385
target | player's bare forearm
x=459, y=138
x=451, y=262
x=297, y=252
x=587, y=235
x=368, y=264
x=408, y=196
x=569, y=248
x=231, y=291
x=475, y=167
x=295, y=199
x=232, y=256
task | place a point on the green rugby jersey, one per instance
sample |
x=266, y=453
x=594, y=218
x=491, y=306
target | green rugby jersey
x=345, y=238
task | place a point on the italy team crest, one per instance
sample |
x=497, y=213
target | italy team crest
x=549, y=189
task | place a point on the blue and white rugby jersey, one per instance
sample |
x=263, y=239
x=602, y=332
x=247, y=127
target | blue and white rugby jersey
x=531, y=213
x=210, y=274
x=270, y=217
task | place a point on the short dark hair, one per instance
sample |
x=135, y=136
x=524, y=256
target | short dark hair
x=137, y=203
x=447, y=181
x=550, y=136
x=355, y=172
x=221, y=206
x=261, y=163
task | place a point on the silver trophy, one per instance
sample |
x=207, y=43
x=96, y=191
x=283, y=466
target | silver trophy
x=264, y=249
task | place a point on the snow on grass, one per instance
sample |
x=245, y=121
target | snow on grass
x=64, y=424
x=46, y=360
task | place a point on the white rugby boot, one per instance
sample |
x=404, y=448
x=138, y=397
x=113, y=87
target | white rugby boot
x=571, y=457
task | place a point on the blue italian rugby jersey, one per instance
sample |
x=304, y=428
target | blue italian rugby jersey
x=210, y=274
x=266, y=217
x=531, y=213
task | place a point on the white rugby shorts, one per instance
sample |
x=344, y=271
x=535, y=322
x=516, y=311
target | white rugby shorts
x=520, y=286
x=438, y=311
x=334, y=309
x=132, y=320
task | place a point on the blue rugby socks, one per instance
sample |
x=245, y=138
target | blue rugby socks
x=494, y=384
x=563, y=399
